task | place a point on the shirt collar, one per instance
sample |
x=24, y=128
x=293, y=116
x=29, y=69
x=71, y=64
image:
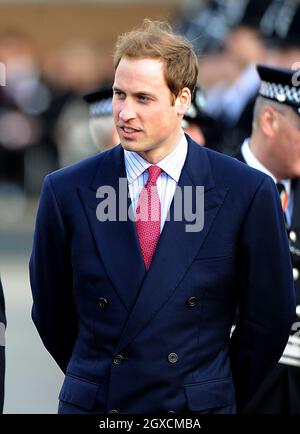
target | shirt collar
x=252, y=161
x=171, y=164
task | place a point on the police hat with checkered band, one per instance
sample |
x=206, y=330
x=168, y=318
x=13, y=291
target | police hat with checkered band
x=281, y=85
x=100, y=101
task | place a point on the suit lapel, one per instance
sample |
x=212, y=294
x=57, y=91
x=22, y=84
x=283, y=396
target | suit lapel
x=177, y=248
x=117, y=241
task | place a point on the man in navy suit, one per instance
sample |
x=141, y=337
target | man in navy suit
x=274, y=148
x=2, y=346
x=137, y=308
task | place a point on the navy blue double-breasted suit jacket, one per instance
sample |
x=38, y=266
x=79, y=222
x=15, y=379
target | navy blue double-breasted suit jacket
x=136, y=342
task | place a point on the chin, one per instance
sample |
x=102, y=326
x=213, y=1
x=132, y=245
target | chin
x=129, y=146
x=132, y=146
x=292, y=173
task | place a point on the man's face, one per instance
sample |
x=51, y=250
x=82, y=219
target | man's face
x=146, y=119
x=288, y=144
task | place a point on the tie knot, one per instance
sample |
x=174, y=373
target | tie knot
x=154, y=172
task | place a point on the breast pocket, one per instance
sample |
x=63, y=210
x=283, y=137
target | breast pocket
x=216, y=276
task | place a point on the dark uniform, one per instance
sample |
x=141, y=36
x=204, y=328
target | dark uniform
x=2, y=342
x=294, y=237
x=280, y=392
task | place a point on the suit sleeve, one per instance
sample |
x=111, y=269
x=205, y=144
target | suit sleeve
x=53, y=310
x=266, y=293
x=2, y=347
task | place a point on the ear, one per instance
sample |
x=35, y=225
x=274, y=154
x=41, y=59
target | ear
x=269, y=121
x=183, y=100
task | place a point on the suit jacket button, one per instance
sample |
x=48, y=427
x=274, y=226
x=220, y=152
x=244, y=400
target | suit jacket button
x=192, y=301
x=293, y=236
x=102, y=302
x=298, y=310
x=118, y=358
x=172, y=357
x=113, y=411
x=295, y=273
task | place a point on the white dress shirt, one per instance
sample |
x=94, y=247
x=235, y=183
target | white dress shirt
x=137, y=175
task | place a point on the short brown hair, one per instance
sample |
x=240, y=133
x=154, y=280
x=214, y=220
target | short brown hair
x=156, y=40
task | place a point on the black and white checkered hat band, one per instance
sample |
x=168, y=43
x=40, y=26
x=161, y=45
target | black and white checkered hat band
x=282, y=93
x=101, y=108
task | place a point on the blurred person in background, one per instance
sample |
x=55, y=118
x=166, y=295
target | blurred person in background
x=274, y=148
x=2, y=346
x=279, y=30
x=101, y=122
x=196, y=122
x=227, y=40
x=24, y=101
x=231, y=37
x=206, y=23
x=206, y=26
x=80, y=70
x=282, y=36
x=230, y=101
x=43, y=121
x=137, y=311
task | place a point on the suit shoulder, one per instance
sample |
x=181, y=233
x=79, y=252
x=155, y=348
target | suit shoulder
x=229, y=169
x=82, y=171
x=76, y=169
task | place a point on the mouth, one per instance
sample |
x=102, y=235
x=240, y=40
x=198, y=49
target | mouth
x=129, y=132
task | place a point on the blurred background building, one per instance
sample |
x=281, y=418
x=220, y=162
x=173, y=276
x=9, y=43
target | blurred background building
x=54, y=52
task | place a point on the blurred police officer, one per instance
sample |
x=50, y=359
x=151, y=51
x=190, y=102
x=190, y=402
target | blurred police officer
x=196, y=121
x=274, y=148
x=2, y=343
x=102, y=127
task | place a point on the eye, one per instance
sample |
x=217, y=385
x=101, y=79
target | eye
x=118, y=94
x=143, y=98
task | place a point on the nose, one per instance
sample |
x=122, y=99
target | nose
x=127, y=111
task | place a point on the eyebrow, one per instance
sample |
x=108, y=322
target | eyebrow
x=141, y=92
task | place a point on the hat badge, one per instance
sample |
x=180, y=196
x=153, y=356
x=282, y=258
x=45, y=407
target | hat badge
x=281, y=97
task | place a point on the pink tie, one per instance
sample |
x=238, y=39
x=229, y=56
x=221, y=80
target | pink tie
x=148, y=216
